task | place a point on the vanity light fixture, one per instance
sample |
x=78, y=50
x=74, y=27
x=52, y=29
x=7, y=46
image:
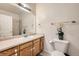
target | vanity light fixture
x=25, y=6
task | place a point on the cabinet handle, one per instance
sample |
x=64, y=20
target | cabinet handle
x=16, y=54
x=15, y=50
x=33, y=47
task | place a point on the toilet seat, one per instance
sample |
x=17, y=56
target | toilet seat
x=57, y=53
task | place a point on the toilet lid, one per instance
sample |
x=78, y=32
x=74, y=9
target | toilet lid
x=57, y=53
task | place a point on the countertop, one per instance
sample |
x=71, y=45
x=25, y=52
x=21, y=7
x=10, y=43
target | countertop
x=6, y=44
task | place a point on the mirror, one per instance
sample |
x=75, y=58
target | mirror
x=15, y=21
x=5, y=25
x=28, y=23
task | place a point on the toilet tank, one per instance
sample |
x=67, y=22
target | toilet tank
x=61, y=45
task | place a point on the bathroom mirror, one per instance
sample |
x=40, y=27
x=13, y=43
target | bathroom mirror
x=15, y=20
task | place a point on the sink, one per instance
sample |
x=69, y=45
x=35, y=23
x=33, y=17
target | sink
x=24, y=35
x=29, y=37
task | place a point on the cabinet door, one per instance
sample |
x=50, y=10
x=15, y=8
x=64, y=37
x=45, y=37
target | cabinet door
x=26, y=51
x=36, y=47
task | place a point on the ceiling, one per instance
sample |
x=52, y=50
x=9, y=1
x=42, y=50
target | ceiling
x=11, y=8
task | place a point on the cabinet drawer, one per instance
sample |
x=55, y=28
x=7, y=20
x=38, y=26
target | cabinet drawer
x=9, y=52
x=25, y=45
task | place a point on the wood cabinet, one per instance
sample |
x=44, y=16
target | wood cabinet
x=10, y=52
x=31, y=48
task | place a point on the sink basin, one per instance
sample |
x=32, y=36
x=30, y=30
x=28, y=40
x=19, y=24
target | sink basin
x=29, y=37
x=24, y=35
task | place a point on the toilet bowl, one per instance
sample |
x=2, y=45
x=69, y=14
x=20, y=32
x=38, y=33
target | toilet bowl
x=60, y=47
x=57, y=53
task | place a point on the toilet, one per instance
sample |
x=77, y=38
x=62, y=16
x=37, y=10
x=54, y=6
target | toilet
x=60, y=47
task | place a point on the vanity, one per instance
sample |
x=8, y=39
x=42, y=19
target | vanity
x=24, y=46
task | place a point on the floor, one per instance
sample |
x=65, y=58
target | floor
x=43, y=54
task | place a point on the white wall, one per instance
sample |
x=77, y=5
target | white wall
x=28, y=23
x=15, y=20
x=48, y=13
